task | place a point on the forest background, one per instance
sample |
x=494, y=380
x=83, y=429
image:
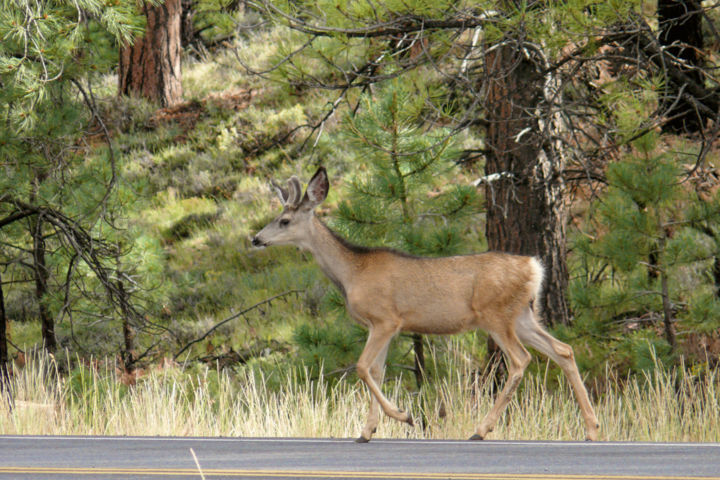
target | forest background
x=137, y=142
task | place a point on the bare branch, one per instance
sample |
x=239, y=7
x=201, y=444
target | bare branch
x=233, y=317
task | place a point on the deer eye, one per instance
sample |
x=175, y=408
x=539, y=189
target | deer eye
x=284, y=222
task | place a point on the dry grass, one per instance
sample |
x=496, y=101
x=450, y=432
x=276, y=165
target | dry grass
x=659, y=407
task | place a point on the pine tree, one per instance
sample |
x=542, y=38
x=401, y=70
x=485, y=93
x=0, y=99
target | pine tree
x=649, y=237
x=59, y=205
x=403, y=197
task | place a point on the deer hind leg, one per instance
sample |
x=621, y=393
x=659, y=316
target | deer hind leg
x=518, y=359
x=377, y=343
x=532, y=334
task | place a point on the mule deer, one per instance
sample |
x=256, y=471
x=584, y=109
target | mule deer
x=390, y=292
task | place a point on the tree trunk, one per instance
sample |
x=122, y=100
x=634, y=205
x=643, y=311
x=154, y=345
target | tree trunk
x=40, y=271
x=4, y=357
x=419, y=350
x=419, y=367
x=151, y=66
x=667, y=311
x=127, y=353
x=526, y=205
x=497, y=366
x=716, y=274
x=680, y=24
x=188, y=34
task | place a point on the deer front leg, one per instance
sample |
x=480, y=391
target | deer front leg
x=377, y=371
x=370, y=368
x=519, y=358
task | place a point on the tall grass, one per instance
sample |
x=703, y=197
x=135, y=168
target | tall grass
x=661, y=406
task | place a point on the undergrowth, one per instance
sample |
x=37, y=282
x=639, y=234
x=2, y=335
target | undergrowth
x=96, y=400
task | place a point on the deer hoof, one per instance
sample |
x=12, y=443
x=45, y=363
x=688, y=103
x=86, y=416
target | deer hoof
x=476, y=437
x=362, y=439
x=408, y=418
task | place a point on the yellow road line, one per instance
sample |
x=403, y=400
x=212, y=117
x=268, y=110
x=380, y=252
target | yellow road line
x=330, y=474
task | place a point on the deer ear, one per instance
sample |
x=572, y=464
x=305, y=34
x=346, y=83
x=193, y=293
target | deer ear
x=317, y=188
x=281, y=192
x=295, y=192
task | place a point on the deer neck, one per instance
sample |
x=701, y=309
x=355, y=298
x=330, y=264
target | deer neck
x=335, y=259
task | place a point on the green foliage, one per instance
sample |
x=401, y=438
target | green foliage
x=51, y=54
x=329, y=347
x=653, y=242
x=213, y=20
x=638, y=207
x=54, y=42
x=403, y=195
x=642, y=351
x=703, y=312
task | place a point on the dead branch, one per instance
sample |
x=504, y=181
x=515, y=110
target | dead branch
x=233, y=317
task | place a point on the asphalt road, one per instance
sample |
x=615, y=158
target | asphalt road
x=115, y=458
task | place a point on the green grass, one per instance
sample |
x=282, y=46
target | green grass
x=169, y=400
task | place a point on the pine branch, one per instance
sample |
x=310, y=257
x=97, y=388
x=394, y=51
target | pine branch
x=400, y=25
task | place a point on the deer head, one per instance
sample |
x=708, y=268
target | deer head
x=292, y=226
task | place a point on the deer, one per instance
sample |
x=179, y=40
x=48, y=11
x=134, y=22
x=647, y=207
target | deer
x=389, y=292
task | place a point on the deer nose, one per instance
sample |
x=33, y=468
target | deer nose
x=256, y=242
